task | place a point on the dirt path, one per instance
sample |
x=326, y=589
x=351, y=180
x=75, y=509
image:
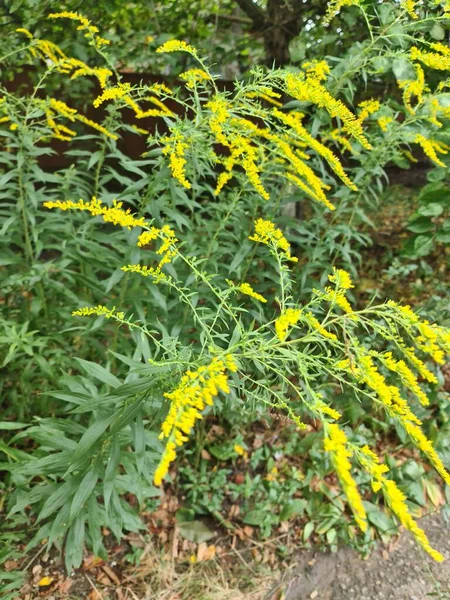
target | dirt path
x=405, y=573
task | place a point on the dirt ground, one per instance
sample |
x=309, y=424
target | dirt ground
x=403, y=573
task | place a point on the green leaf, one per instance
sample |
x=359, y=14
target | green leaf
x=195, y=531
x=431, y=210
x=437, y=32
x=89, y=438
x=381, y=521
x=85, y=489
x=443, y=237
x=309, y=528
x=111, y=470
x=293, y=508
x=421, y=225
x=59, y=498
x=423, y=245
x=403, y=69
x=254, y=517
x=99, y=372
x=10, y=425
x=74, y=544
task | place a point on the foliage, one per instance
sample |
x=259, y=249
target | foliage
x=181, y=340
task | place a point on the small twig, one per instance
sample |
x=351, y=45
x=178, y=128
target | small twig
x=38, y=553
x=244, y=562
x=93, y=586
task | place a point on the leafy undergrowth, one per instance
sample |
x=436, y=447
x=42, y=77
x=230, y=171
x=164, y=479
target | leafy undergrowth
x=229, y=525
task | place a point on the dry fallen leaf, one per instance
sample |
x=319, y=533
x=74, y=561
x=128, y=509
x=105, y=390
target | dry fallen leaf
x=65, y=586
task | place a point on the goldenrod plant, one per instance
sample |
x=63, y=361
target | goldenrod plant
x=203, y=205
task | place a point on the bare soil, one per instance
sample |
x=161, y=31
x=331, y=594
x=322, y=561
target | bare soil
x=402, y=573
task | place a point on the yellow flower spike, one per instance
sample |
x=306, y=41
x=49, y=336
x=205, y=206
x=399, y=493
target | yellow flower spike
x=338, y=298
x=311, y=90
x=176, y=146
x=431, y=148
x=407, y=377
x=305, y=136
x=267, y=233
x=420, y=366
x=383, y=122
x=25, y=32
x=368, y=107
x=196, y=390
x=177, y=46
x=194, y=76
x=340, y=139
x=287, y=319
x=247, y=289
x=115, y=214
x=426, y=446
x=317, y=326
x=317, y=69
x=154, y=272
x=413, y=88
x=114, y=93
x=341, y=279
x=395, y=498
x=100, y=310
x=410, y=7
x=336, y=444
x=439, y=60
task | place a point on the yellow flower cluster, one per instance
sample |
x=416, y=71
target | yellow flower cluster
x=100, y=310
x=407, y=377
x=395, y=498
x=114, y=214
x=334, y=8
x=410, y=7
x=433, y=340
x=335, y=135
x=413, y=88
x=311, y=90
x=176, y=146
x=85, y=25
x=266, y=94
x=336, y=444
x=25, y=32
x=246, y=288
x=439, y=60
x=295, y=123
x=383, y=122
x=367, y=108
x=317, y=69
x=156, y=274
x=113, y=93
x=431, y=148
x=60, y=108
x=343, y=282
x=287, y=319
x=317, y=326
x=177, y=46
x=167, y=251
x=426, y=446
x=267, y=233
x=194, y=76
x=341, y=279
x=197, y=389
